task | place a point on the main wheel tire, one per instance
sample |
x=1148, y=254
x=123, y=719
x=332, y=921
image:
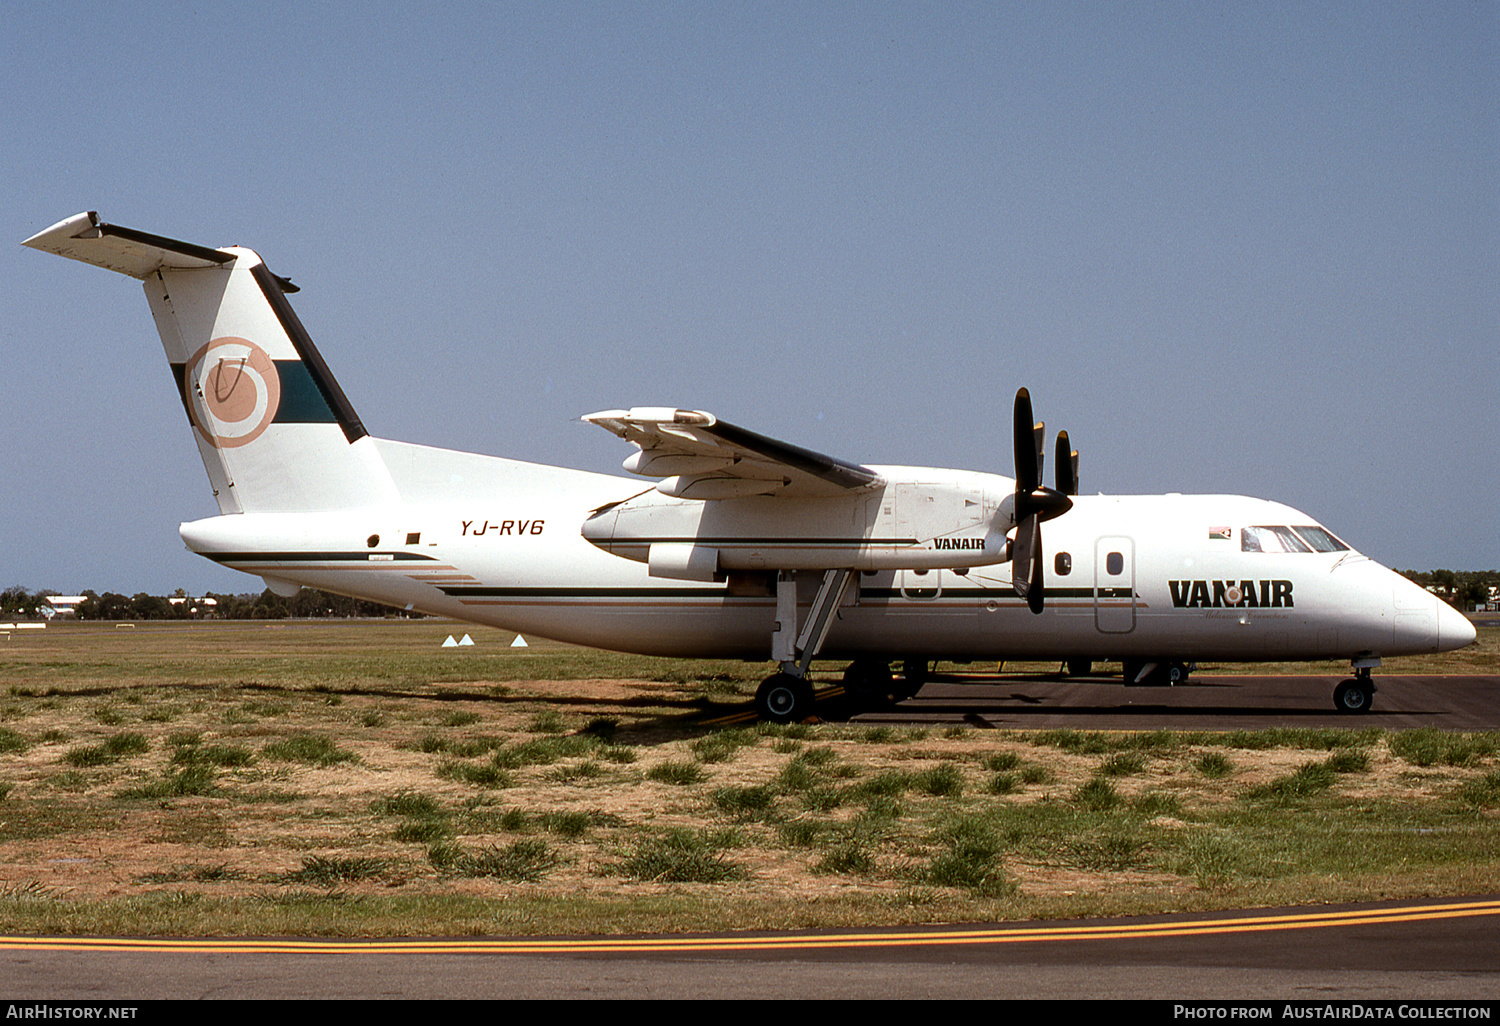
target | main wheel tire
x=1176, y=673
x=869, y=683
x=913, y=675
x=1353, y=696
x=1079, y=667
x=784, y=698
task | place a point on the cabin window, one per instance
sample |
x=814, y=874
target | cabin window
x=1063, y=564
x=373, y=540
x=1114, y=564
x=413, y=537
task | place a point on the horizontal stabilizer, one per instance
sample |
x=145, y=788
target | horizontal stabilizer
x=84, y=237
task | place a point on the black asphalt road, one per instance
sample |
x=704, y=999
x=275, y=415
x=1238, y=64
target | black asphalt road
x=1445, y=949
x=1205, y=703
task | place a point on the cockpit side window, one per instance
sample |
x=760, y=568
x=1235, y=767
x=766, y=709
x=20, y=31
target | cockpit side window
x=1320, y=540
x=1272, y=539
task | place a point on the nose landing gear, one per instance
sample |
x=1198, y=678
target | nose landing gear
x=1358, y=692
x=1355, y=694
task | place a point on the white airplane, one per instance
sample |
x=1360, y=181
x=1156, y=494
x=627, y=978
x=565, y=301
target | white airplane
x=743, y=547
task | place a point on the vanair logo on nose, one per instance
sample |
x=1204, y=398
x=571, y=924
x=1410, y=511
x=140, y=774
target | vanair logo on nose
x=233, y=391
x=1222, y=594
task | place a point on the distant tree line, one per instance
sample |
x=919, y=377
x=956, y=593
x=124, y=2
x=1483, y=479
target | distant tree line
x=16, y=601
x=306, y=604
x=1463, y=589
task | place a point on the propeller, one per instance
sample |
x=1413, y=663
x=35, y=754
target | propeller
x=1034, y=501
x=1067, y=466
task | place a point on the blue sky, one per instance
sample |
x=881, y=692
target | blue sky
x=1245, y=248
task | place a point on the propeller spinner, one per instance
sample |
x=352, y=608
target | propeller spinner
x=1034, y=501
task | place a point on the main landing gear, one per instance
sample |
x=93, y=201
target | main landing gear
x=870, y=684
x=1161, y=672
x=787, y=696
x=1356, y=694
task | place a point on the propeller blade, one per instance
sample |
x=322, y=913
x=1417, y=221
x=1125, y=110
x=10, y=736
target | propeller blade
x=1022, y=561
x=1067, y=466
x=1034, y=594
x=1026, y=564
x=1028, y=458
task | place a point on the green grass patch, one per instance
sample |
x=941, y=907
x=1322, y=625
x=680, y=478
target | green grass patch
x=1113, y=850
x=478, y=774
x=311, y=749
x=588, y=769
x=1483, y=791
x=722, y=746
x=1308, y=779
x=886, y=784
x=329, y=871
x=970, y=860
x=1155, y=803
x=1123, y=764
x=677, y=772
x=423, y=831
x=850, y=855
x=1214, y=765
x=12, y=741
x=567, y=824
x=544, y=751
x=1003, y=783
x=945, y=781
x=408, y=803
x=195, y=779
x=1211, y=859
x=1429, y=747
x=548, y=722
x=222, y=755
x=753, y=802
x=679, y=856
x=1096, y=795
x=1036, y=773
x=1002, y=762
x=111, y=750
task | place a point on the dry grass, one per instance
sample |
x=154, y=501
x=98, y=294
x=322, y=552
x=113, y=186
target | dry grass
x=357, y=779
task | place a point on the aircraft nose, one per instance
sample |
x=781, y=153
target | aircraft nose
x=1454, y=629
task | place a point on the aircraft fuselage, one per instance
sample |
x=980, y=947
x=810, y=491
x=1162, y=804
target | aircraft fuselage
x=1128, y=576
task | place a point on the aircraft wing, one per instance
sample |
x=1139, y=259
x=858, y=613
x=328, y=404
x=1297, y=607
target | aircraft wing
x=698, y=456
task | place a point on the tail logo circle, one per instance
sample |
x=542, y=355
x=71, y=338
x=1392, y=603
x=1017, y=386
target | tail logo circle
x=233, y=391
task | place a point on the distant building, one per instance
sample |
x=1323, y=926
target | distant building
x=62, y=605
x=196, y=607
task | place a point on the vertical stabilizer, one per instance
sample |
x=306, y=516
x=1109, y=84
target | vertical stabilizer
x=275, y=431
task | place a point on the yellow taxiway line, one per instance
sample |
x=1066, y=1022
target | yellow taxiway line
x=1020, y=934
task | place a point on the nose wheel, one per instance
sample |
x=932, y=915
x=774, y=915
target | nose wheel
x=1356, y=694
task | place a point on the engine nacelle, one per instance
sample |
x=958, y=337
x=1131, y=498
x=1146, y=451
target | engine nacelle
x=953, y=523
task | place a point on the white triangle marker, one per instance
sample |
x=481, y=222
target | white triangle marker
x=520, y=642
x=450, y=643
x=466, y=640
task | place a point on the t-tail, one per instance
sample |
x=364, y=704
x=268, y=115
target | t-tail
x=276, y=432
